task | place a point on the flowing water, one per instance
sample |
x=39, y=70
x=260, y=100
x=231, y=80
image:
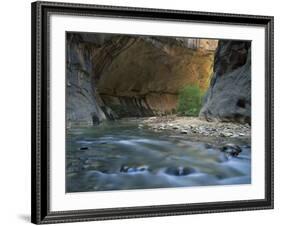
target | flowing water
x=119, y=155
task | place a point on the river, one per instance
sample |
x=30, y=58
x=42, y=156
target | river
x=119, y=155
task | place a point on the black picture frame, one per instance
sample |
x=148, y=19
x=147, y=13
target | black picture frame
x=40, y=211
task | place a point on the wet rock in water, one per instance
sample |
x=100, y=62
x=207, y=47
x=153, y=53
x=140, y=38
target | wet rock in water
x=226, y=134
x=208, y=146
x=231, y=149
x=184, y=131
x=86, y=166
x=142, y=168
x=179, y=171
x=140, y=126
x=83, y=148
x=193, y=131
x=95, y=120
x=127, y=169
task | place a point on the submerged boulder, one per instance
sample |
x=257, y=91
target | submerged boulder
x=179, y=171
x=231, y=149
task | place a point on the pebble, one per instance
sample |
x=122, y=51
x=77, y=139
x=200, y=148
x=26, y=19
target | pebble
x=230, y=130
x=127, y=169
x=226, y=134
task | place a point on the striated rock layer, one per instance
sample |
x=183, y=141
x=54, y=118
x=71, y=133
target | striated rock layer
x=229, y=95
x=111, y=76
x=83, y=105
x=146, y=77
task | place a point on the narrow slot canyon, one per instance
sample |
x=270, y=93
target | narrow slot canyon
x=155, y=112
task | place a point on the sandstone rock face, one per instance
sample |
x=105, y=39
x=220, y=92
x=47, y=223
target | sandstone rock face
x=111, y=76
x=145, y=78
x=229, y=95
x=82, y=101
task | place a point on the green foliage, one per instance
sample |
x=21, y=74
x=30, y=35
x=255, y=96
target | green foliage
x=189, y=102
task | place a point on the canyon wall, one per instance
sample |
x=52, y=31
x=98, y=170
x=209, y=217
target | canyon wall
x=229, y=95
x=112, y=76
x=145, y=78
x=83, y=105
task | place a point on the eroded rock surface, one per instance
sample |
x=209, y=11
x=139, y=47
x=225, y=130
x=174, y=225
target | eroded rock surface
x=146, y=77
x=83, y=105
x=113, y=76
x=229, y=95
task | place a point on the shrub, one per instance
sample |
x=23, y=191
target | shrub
x=189, y=102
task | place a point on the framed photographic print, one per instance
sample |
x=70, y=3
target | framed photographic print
x=149, y=112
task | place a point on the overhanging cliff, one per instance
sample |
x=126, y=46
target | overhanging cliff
x=111, y=76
